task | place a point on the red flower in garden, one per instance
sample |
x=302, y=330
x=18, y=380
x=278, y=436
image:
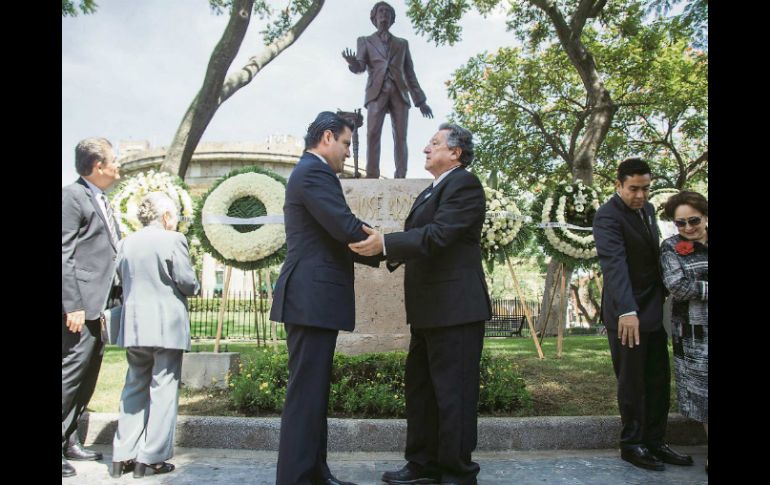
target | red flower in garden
x=684, y=247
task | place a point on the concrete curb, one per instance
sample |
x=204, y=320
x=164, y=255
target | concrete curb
x=495, y=434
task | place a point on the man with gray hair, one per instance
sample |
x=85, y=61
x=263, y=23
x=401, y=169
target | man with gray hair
x=447, y=303
x=387, y=60
x=89, y=237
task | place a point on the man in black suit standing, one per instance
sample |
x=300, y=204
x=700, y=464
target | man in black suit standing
x=387, y=60
x=447, y=303
x=314, y=296
x=632, y=310
x=89, y=236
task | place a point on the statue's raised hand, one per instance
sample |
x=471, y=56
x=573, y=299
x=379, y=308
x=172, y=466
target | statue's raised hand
x=349, y=56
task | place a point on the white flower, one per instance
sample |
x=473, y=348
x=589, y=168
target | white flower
x=571, y=242
x=133, y=191
x=249, y=246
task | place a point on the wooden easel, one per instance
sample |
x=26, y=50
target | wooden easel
x=526, y=309
x=222, y=305
x=561, y=275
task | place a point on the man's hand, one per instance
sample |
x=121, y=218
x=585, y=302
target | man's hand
x=75, y=320
x=349, y=56
x=370, y=246
x=628, y=330
x=425, y=110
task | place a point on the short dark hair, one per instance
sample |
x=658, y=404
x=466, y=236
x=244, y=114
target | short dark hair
x=632, y=166
x=326, y=120
x=459, y=137
x=90, y=151
x=686, y=197
x=374, y=12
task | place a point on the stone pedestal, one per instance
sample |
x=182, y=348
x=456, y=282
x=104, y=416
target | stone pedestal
x=380, y=314
x=208, y=369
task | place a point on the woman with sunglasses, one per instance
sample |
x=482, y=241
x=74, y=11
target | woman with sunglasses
x=685, y=262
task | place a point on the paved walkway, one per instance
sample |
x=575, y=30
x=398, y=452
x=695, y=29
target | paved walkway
x=209, y=466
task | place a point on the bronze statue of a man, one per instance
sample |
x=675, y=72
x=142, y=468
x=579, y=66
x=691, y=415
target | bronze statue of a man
x=391, y=76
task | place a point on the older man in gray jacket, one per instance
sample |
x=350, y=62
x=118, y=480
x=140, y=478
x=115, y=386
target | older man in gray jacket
x=157, y=276
x=89, y=237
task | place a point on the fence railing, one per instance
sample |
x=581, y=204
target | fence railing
x=509, y=319
x=247, y=316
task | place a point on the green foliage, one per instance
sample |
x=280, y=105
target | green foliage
x=260, y=386
x=438, y=19
x=527, y=109
x=368, y=385
x=68, y=8
x=279, y=20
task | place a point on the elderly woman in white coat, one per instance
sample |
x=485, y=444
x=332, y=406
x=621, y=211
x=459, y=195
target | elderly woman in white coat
x=157, y=276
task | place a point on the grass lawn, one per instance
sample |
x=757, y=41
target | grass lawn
x=581, y=383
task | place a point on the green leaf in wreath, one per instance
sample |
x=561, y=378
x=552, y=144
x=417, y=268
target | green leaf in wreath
x=245, y=208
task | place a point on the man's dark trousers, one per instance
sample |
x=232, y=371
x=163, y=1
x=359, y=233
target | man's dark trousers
x=81, y=359
x=644, y=386
x=302, y=450
x=442, y=395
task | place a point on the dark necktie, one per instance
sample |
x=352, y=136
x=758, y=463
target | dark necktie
x=644, y=221
x=110, y=220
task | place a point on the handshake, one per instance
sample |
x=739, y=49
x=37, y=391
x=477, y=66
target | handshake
x=371, y=246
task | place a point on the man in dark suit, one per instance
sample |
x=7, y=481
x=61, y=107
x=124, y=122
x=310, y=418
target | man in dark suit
x=89, y=235
x=447, y=303
x=388, y=62
x=632, y=310
x=314, y=296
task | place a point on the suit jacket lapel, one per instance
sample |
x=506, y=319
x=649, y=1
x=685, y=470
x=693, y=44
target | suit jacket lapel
x=375, y=42
x=98, y=210
x=419, y=200
x=394, y=48
x=633, y=217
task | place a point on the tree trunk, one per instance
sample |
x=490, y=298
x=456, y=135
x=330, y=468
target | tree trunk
x=583, y=303
x=600, y=104
x=216, y=89
x=556, y=317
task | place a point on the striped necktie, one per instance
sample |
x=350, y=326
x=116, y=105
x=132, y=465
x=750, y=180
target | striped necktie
x=110, y=220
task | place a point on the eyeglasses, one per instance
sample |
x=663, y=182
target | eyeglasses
x=692, y=221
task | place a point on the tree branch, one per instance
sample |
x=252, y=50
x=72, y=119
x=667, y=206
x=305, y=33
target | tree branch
x=243, y=76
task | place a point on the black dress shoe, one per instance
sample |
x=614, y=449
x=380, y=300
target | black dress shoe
x=334, y=481
x=640, y=456
x=142, y=469
x=67, y=470
x=665, y=453
x=75, y=451
x=410, y=474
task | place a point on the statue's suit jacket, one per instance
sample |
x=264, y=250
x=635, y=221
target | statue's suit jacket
x=157, y=276
x=371, y=55
x=88, y=253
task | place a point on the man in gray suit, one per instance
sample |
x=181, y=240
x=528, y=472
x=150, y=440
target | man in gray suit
x=391, y=79
x=89, y=236
x=157, y=277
